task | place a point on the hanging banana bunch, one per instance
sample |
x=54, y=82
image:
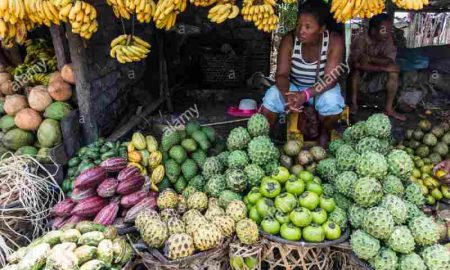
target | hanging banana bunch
x=411, y=4
x=221, y=12
x=166, y=13
x=119, y=8
x=144, y=9
x=64, y=7
x=11, y=33
x=129, y=48
x=11, y=11
x=83, y=19
x=290, y=1
x=202, y=3
x=262, y=15
x=344, y=10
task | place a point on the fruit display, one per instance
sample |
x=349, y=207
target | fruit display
x=189, y=223
x=345, y=10
x=295, y=208
x=221, y=12
x=166, y=13
x=90, y=156
x=297, y=159
x=82, y=245
x=383, y=206
x=104, y=193
x=144, y=9
x=129, y=48
x=262, y=14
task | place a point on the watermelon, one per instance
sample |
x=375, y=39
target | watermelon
x=27, y=150
x=7, y=123
x=49, y=133
x=16, y=138
x=57, y=110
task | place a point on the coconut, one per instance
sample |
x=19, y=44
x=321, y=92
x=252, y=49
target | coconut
x=15, y=103
x=304, y=157
x=7, y=88
x=28, y=119
x=67, y=74
x=292, y=148
x=60, y=90
x=39, y=98
x=55, y=76
x=4, y=77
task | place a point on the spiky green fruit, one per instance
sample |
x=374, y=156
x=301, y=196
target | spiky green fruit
x=372, y=164
x=215, y=185
x=236, y=180
x=258, y=125
x=393, y=185
x=385, y=260
x=356, y=216
x=401, y=240
x=400, y=164
x=364, y=245
x=254, y=174
x=436, y=257
x=344, y=182
x=238, y=139
x=237, y=159
x=346, y=158
x=262, y=150
x=378, y=125
x=212, y=166
x=378, y=222
x=367, y=192
x=396, y=207
x=411, y=261
x=424, y=230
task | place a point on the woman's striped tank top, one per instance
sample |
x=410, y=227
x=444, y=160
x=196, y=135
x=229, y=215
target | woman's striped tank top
x=303, y=74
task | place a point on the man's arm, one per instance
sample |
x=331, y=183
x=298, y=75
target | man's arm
x=284, y=64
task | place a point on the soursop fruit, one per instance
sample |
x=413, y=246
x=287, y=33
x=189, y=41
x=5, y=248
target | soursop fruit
x=413, y=211
x=168, y=213
x=198, y=182
x=262, y=150
x=190, y=145
x=342, y=201
x=393, y=185
x=367, y=192
x=228, y=196
x=211, y=167
x=175, y=225
x=170, y=139
x=413, y=194
x=378, y=222
x=215, y=185
x=334, y=145
x=199, y=157
x=385, y=146
x=172, y=170
x=214, y=211
x=226, y=225
x=236, y=180
x=238, y=139
x=180, y=184
x=400, y=164
x=207, y=236
x=411, y=261
x=237, y=210
x=344, y=182
x=178, y=154
x=436, y=257
x=364, y=245
x=144, y=216
x=396, y=207
x=210, y=133
x=328, y=190
x=424, y=230
x=247, y=231
x=258, y=125
x=154, y=232
x=327, y=169
x=271, y=167
x=358, y=131
x=195, y=223
x=372, y=164
x=223, y=158
x=368, y=144
x=190, y=215
x=346, y=158
x=254, y=174
x=192, y=126
x=338, y=216
x=200, y=137
x=237, y=159
x=378, y=125
x=356, y=216
x=401, y=240
x=168, y=198
x=385, y=260
x=182, y=204
x=188, y=191
x=346, y=135
x=179, y=245
x=197, y=200
x=189, y=169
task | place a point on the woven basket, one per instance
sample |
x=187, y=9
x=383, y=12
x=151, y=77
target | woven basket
x=214, y=259
x=343, y=258
x=243, y=251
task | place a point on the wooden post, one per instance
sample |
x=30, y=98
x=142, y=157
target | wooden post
x=163, y=77
x=58, y=38
x=83, y=86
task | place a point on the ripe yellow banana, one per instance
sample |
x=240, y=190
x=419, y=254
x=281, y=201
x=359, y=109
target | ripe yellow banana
x=128, y=49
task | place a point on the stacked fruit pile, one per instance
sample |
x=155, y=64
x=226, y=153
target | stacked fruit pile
x=84, y=246
x=104, y=193
x=261, y=13
x=302, y=211
x=345, y=10
x=371, y=182
x=296, y=159
x=192, y=222
x=411, y=4
x=90, y=156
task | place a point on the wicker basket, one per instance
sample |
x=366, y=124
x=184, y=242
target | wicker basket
x=242, y=251
x=214, y=259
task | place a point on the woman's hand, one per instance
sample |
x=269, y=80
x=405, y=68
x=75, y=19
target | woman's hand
x=295, y=101
x=445, y=166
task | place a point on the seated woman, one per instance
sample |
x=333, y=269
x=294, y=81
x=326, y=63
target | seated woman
x=298, y=66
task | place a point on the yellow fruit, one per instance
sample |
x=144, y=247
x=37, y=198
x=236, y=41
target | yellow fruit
x=145, y=155
x=137, y=165
x=158, y=174
x=130, y=147
x=138, y=141
x=440, y=173
x=416, y=173
x=155, y=159
x=437, y=194
x=445, y=191
x=134, y=156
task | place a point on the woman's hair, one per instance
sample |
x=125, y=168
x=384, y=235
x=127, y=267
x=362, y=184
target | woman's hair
x=376, y=21
x=321, y=11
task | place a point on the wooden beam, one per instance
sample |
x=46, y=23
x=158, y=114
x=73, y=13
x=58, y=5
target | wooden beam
x=78, y=56
x=58, y=38
x=123, y=130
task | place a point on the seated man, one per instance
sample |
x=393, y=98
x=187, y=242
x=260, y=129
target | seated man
x=375, y=51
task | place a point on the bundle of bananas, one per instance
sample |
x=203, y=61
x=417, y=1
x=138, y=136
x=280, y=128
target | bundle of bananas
x=202, y=3
x=12, y=11
x=262, y=15
x=290, y=1
x=40, y=79
x=42, y=12
x=83, y=19
x=119, y=8
x=411, y=4
x=144, y=9
x=13, y=33
x=128, y=48
x=344, y=10
x=167, y=11
x=221, y=12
